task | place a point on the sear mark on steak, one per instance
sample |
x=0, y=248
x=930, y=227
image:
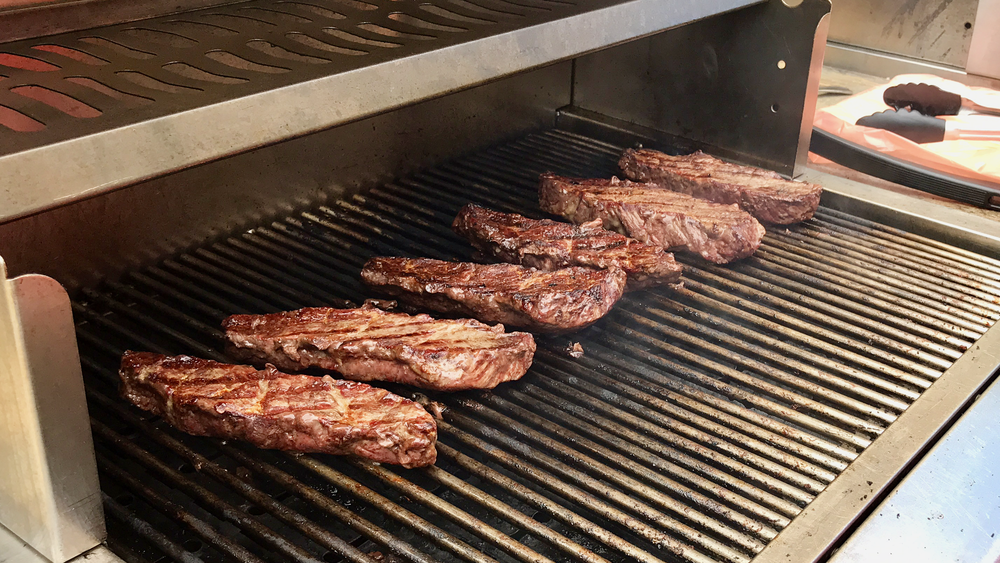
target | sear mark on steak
x=276, y=410
x=761, y=193
x=563, y=300
x=369, y=344
x=550, y=245
x=718, y=233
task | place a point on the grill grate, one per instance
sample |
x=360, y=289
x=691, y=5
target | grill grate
x=696, y=426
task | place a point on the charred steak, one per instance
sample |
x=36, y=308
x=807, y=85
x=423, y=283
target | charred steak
x=275, y=410
x=558, y=301
x=368, y=344
x=550, y=245
x=652, y=215
x=761, y=193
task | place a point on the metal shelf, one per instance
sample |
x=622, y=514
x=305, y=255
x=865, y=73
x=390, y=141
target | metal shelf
x=86, y=112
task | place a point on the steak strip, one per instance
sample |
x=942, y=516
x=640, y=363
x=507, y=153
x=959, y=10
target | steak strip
x=566, y=299
x=761, y=193
x=550, y=245
x=275, y=410
x=718, y=233
x=368, y=344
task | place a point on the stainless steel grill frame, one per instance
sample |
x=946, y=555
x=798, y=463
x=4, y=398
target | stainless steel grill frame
x=716, y=423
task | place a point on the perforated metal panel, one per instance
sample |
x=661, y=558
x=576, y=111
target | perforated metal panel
x=88, y=111
x=84, y=82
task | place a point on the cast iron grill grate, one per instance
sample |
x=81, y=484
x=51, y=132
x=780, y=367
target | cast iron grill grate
x=696, y=426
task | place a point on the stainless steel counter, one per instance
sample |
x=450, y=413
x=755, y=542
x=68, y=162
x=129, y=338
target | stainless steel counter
x=948, y=507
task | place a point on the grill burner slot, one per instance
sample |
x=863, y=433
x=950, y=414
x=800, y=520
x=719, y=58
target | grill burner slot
x=697, y=425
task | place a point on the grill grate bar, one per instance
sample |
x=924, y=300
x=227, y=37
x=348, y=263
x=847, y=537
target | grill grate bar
x=926, y=245
x=753, y=386
x=511, y=462
x=680, y=319
x=680, y=465
x=656, y=384
x=762, y=293
x=779, y=262
x=901, y=328
x=719, y=300
x=176, y=512
x=534, y=399
x=501, y=510
x=208, y=499
x=95, y=318
x=192, y=343
x=475, y=525
x=704, y=430
x=665, y=526
x=544, y=504
x=908, y=257
x=147, y=531
x=214, y=278
x=582, y=464
x=697, y=426
x=206, y=466
x=324, y=503
x=735, y=468
x=326, y=281
x=982, y=300
x=785, y=381
x=395, y=511
x=825, y=260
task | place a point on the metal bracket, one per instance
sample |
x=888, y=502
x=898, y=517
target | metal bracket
x=49, y=491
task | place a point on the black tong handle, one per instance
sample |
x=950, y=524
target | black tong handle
x=874, y=163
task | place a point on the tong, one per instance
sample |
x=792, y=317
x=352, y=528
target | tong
x=921, y=128
x=931, y=100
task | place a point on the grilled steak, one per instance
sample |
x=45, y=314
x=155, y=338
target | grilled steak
x=275, y=410
x=557, y=301
x=368, y=344
x=652, y=215
x=550, y=245
x=761, y=193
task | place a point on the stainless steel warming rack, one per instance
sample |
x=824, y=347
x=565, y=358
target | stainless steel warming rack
x=102, y=109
